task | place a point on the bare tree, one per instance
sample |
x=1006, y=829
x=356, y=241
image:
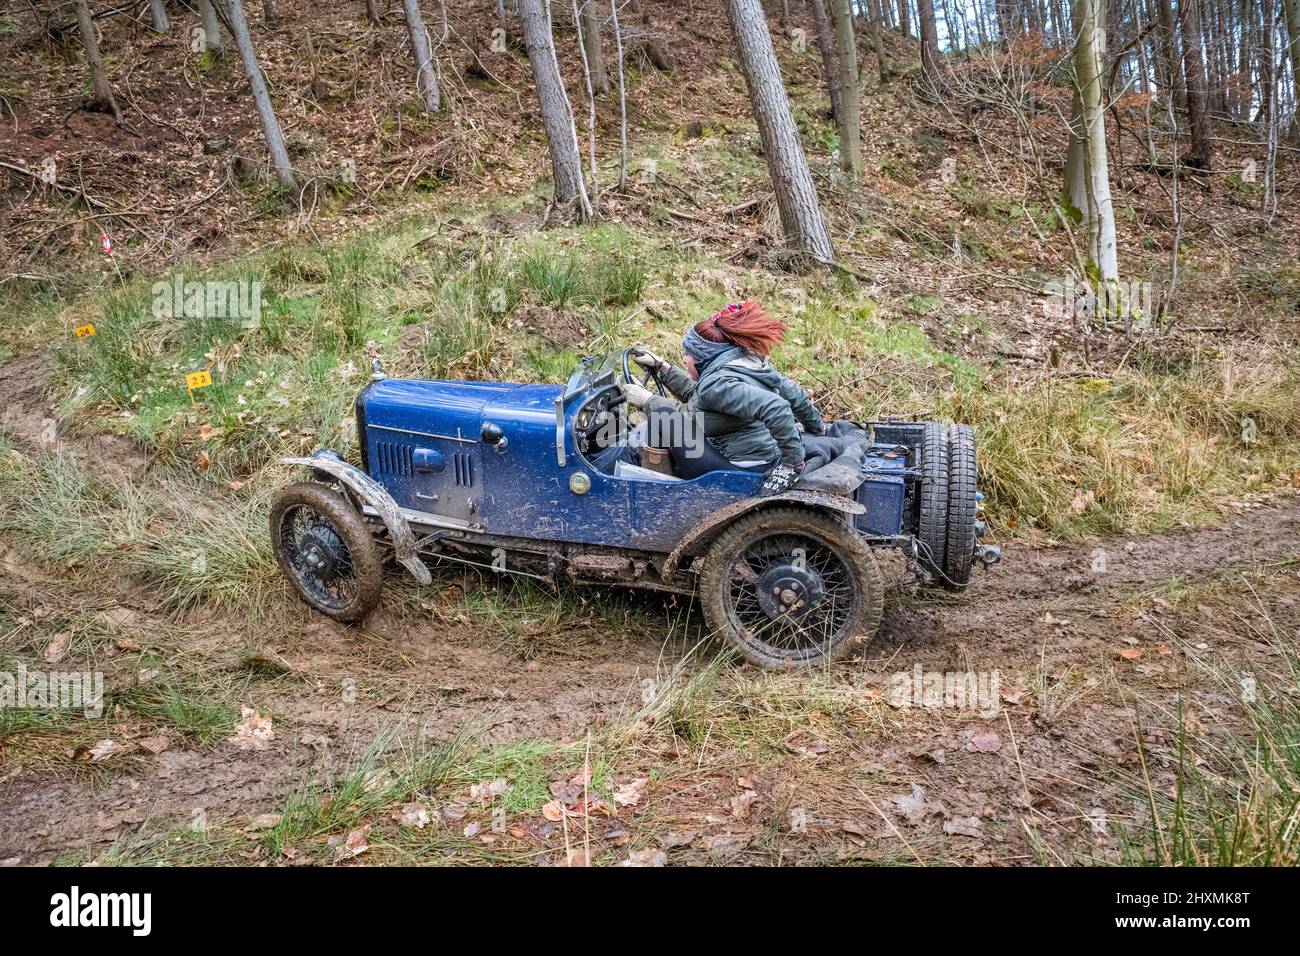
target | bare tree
x=1291, y=8
x=426, y=80
x=159, y=14
x=102, y=99
x=929, y=42
x=238, y=25
x=902, y=18
x=826, y=47
x=876, y=28
x=211, y=26
x=591, y=102
x=268, y=12
x=796, y=196
x=1173, y=66
x=1201, y=155
x=557, y=113
x=592, y=47
x=850, y=120
x=622, y=100
x=1089, y=77
x=372, y=12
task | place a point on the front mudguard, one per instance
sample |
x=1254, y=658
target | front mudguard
x=712, y=526
x=329, y=464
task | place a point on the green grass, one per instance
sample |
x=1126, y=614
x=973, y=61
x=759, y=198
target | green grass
x=216, y=552
x=395, y=767
x=1239, y=807
x=190, y=710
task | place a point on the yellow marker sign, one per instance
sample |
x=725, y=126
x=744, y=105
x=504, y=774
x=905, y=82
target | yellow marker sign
x=197, y=380
x=85, y=331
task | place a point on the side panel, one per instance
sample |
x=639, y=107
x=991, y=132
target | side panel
x=527, y=493
x=665, y=512
x=421, y=442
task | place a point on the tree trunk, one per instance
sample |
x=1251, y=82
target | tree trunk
x=903, y=27
x=877, y=28
x=268, y=12
x=211, y=26
x=1173, y=62
x=929, y=42
x=372, y=12
x=1267, y=67
x=622, y=99
x=1202, y=152
x=655, y=50
x=850, y=120
x=557, y=113
x=830, y=61
x=426, y=80
x=1089, y=75
x=102, y=99
x=796, y=196
x=591, y=45
x=265, y=111
x=159, y=14
x=1075, y=196
x=1292, y=10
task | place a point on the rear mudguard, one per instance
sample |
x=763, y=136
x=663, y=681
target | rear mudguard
x=373, y=494
x=709, y=529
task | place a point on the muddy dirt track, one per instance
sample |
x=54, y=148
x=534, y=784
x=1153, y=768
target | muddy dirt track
x=1080, y=635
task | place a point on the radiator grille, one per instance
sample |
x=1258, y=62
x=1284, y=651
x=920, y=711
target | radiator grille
x=463, y=466
x=392, y=458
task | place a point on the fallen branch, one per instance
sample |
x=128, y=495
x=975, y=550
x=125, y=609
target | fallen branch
x=71, y=190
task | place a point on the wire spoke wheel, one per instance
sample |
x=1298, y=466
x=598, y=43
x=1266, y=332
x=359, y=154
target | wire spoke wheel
x=326, y=550
x=790, y=588
x=321, y=562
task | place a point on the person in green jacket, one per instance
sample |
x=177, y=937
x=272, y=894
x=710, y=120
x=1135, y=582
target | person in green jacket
x=752, y=414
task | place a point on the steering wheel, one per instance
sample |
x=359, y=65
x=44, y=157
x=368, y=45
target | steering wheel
x=627, y=363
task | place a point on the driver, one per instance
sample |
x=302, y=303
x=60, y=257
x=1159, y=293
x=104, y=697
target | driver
x=751, y=413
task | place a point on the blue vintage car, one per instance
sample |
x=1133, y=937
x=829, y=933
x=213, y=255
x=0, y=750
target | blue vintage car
x=517, y=479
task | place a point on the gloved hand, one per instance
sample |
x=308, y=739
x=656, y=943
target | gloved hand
x=637, y=395
x=781, y=478
x=647, y=359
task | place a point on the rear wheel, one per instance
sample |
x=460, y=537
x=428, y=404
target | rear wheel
x=790, y=587
x=961, y=508
x=326, y=550
x=932, y=532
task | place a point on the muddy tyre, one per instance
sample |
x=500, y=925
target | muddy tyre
x=789, y=587
x=961, y=508
x=932, y=523
x=326, y=550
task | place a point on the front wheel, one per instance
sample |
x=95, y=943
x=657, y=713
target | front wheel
x=790, y=587
x=326, y=551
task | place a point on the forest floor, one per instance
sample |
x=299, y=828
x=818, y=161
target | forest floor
x=1137, y=646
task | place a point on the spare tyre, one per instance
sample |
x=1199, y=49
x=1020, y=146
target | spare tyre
x=932, y=523
x=962, y=508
